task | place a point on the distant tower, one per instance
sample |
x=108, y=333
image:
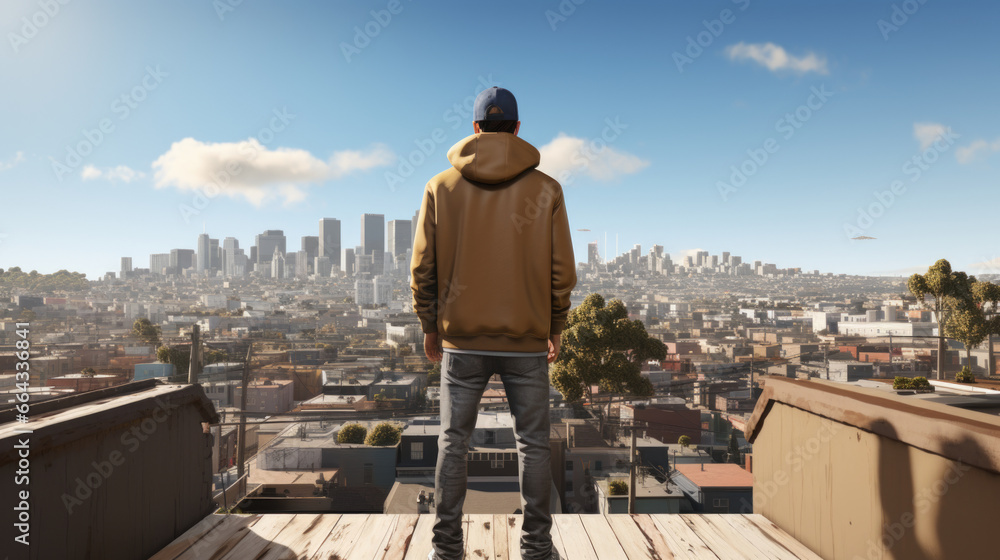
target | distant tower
x=329, y=240
x=204, y=259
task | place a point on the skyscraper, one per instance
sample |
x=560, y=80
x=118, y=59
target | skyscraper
x=126, y=266
x=329, y=240
x=347, y=261
x=229, y=247
x=204, y=253
x=267, y=242
x=215, y=262
x=181, y=259
x=373, y=239
x=593, y=257
x=399, y=232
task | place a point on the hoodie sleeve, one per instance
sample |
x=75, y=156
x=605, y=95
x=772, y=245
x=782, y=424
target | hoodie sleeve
x=423, y=266
x=563, y=265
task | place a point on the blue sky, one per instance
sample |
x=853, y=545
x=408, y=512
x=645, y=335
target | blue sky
x=330, y=123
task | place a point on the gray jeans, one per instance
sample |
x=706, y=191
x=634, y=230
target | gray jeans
x=526, y=381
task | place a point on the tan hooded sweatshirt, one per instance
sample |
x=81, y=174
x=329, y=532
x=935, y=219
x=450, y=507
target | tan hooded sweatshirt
x=493, y=263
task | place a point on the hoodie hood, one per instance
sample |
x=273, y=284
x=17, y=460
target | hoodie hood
x=492, y=157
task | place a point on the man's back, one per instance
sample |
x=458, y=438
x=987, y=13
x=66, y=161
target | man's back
x=493, y=261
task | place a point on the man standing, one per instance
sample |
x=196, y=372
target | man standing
x=492, y=273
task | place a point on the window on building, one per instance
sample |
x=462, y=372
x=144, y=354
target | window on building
x=496, y=463
x=491, y=437
x=569, y=465
x=417, y=451
x=720, y=504
x=568, y=487
x=369, y=473
x=598, y=466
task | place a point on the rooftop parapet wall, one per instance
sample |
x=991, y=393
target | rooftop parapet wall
x=856, y=473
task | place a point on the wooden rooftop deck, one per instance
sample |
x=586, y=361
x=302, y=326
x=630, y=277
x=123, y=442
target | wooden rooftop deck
x=408, y=537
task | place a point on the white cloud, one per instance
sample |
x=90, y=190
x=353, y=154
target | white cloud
x=775, y=58
x=12, y=162
x=121, y=173
x=968, y=154
x=579, y=155
x=250, y=170
x=990, y=266
x=926, y=133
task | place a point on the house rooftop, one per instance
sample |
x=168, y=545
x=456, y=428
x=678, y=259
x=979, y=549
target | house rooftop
x=716, y=475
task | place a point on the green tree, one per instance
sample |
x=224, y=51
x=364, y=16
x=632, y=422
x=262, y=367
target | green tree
x=602, y=347
x=618, y=488
x=384, y=433
x=352, y=433
x=684, y=441
x=88, y=372
x=942, y=284
x=180, y=358
x=146, y=331
x=975, y=318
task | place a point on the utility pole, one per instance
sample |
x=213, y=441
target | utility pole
x=194, y=364
x=241, y=435
x=890, y=355
x=633, y=465
x=826, y=359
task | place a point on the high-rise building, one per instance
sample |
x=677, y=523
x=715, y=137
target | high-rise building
x=725, y=257
x=373, y=239
x=347, y=261
x=593, y=256
x=277, y=263
x=302, y=264
x=126, y=266
x=204, y=253
x=216, y=253
x=322, y=267
x=399, y=232
x=230, y=246
x=329, y=240
x=310, y=244
x=159, y=263
x=267, y=243
x=181, y=259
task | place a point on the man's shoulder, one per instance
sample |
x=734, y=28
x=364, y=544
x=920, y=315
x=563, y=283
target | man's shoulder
x=447, y=178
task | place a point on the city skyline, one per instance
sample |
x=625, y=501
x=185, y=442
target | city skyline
x=830, y=135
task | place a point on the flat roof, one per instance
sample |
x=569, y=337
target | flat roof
x=716, y=475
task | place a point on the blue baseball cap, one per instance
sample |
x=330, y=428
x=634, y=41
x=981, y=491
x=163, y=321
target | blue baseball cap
x=495, y=97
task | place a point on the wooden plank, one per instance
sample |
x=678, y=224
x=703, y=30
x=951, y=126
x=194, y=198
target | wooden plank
x=574, y=537
x=259, y=537
x=302, y=536
x=420, y=544
x=657, y=539
x=345, y=533
x=222, y=539
x=479, y=537
x=501, y=550
x=722, y=530
x=603, y=537
x=684, y=542
x=514, y=536
x=192, y=535
x=769, y=529
x=398, y=538
x=373, y=539
x=635, y=543
x=757, y=538
x=719, y=545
